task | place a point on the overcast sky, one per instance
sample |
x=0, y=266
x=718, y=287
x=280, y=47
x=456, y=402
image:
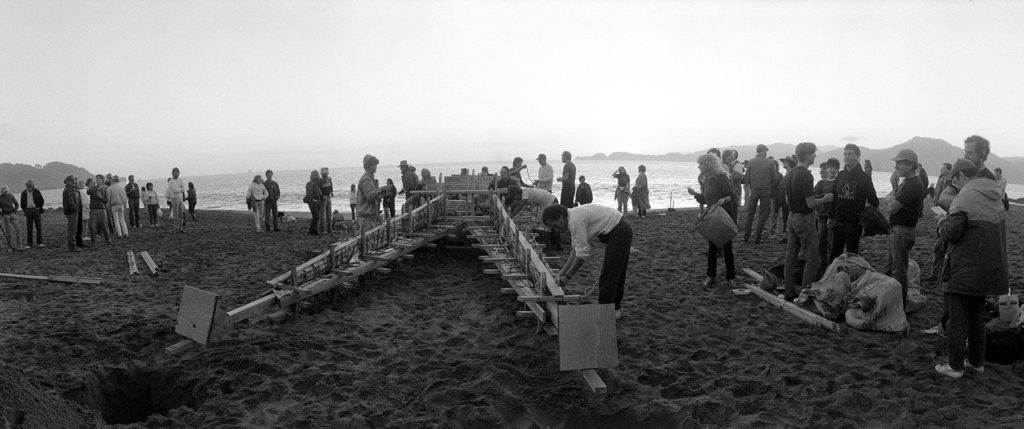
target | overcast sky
x=219, y=87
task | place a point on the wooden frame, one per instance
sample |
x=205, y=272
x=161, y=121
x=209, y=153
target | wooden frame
x=800, y=312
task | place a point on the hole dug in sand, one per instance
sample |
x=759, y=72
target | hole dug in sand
x=125, y=395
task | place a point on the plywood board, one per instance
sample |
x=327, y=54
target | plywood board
x=586, y=337
x=149, y=261
x=196, y=314
x=133, y=267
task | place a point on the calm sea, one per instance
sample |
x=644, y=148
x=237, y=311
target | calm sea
x=667, y=181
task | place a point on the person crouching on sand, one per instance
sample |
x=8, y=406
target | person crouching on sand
x=585, y=223
x=718, y=189
x=257, y=194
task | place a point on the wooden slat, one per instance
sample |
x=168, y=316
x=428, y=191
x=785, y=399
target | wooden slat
x=800, y=312
x=61, y=279
x=547, y=298
x=149, y=262
x=594, y=381
x=133, y=267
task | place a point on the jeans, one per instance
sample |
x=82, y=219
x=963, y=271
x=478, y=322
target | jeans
x=612, y=283
x=901, y=242
x=326, y=215
x=801, y=250
x=258, y=210
x=98, y=224
x=730, y=266
x=966, y=329
x=34, y=218
x=270, y=212
x=151, y=210
x=844, y=235
x=133, y=212
x=178, y=213
x=759, y=201
x=780, y=209
x=120, y=228
x=389, y=206
x=314, y=210
x=192, y=209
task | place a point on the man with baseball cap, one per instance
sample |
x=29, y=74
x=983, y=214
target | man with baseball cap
x=545, y=174
x=760, y=176
x=904, y=212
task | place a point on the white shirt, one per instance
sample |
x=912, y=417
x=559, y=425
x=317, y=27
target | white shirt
x=538, y=197
x=257, y=191
x=175, y=189
x=545, y=175
x=586, y=222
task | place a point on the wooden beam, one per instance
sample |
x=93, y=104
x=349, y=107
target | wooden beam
x=491, y=271
x=524, y=313
x=515, y=275
x=149, y=261
x=180, y=346
x=133, y=267
x=61, y=279
x=508, y=290
x=594, y=381
x=494, y=259
x=800, y=312
x=383, y=270
x=546, y=298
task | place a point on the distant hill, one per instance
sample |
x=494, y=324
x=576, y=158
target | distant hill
x=930, y=152
x=49, y=176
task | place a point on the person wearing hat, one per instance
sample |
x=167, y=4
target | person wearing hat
x=760, y=175
x=326, y=192
x=409, y=180
x=853, y=189
x=802, y=237
x=904, y=211
x=976, y=265
x=545, y=174
x=72, y=204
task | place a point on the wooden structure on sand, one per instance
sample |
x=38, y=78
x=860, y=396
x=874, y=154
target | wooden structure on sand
x=591, y=340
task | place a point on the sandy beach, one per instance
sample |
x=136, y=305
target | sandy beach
x=434, y=343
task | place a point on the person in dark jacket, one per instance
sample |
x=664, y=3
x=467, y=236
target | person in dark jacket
x=387, y=195
x=72, y=204
x=583, y=192
x=32, y=206
x=312, y=199
x=134, y=194
x=568, y=180
x=852, y=189
x=904, y=212
x=270, y=203
x=190, y=196
x=760, y=175
x=97, y=209
x=718, y=189
x=8, y=219
x=976, y=265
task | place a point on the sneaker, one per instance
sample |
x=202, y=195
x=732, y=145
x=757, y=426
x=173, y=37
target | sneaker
x=979, y=369
x=710, y=283
x=948, y=371
x=935, y=330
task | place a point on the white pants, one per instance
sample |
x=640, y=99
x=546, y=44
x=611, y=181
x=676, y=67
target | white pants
x=258, y=214
x=120, y=228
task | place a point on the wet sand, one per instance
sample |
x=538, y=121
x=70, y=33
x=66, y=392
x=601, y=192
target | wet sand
x=434, y=343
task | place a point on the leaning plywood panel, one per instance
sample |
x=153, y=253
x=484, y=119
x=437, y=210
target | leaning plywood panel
x=586, y=337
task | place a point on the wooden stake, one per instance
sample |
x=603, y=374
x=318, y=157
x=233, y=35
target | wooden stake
x=62, y=279
x=149, y=261
x=133, y=268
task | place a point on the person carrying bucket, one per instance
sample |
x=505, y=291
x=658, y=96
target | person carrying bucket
x=718, y=190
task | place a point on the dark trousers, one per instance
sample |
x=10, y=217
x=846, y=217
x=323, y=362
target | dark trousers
x=389, y=205
x=823, y=245
x=730, y=266
x=79, y=229
x=844, y=235
x=568, y=193
x=757, y=203
x=98, y=225
x=192, y=209
x=612, y=282
x=133, y=212
x=74, y=227
x=939, y=252
x=314, y=209
x=34, y=217
x=270, y=212
x=353, y=208
x=966, y=329
x=152, y=211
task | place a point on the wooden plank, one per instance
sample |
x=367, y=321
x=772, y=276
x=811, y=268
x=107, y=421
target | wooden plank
x=800, y=312
x=515, y=275
x=594, y=381
x=491, y=271
x=586, y=337
x=524, y=313
x=61, y=279
x=180, y=346
x=195, y=314
x=133, y=267
x=507, y=290
x=494, y=259
x=547, y=298
x=383, y=270
x=149, y=261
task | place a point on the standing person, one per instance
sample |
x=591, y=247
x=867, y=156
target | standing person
x=583, y=193
x=511, y=198
x=516, y=172
x=976, y=267
x=132, y=189
x=780, y=208
x=1002, y=186
x=568, y=180
x=622, y=189
x=976, y=149
x=428, y=180
x=736, y=170
x=545, y=174
x=824, y=186
x=258, y=195
x=941, y=183
x=924, y=177
x=802, y=238
x=312, y=199
x=761, y=177
x=641, y=201
x=352, y=199
x=107, y=181
x=904, y=212
x=32, y=206
x=175, y=198
x=718, y=189
x=190, y=196
x=327, y=193
x=540, y=200
x=152, y=203
x=72, y=203
x=83, y=193
x=585, y=223
x=409, y=182
x=97, y=209
x=368, y=198
x=270, y=204
x=117, y=199
x=388, y=194
x=852, y=189
x=9, y=218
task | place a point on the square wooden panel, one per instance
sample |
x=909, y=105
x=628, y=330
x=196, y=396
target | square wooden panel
x=586, y=337
x=196, y=313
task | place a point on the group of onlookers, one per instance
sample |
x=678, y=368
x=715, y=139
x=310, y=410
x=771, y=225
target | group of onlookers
x=31, y=204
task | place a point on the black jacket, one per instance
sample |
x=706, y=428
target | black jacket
x=72, y=200
x=851, y=189
x=37, y=198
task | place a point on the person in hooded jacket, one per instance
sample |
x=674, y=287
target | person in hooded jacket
x=975, y=267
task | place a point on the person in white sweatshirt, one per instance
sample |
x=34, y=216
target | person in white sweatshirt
x=256, y=195
x=118, y=199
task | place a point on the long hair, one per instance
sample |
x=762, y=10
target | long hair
x=711, y=165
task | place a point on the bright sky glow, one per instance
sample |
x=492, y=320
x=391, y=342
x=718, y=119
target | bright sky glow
x=227, y=86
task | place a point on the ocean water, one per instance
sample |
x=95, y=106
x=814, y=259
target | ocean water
x=667, y=181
